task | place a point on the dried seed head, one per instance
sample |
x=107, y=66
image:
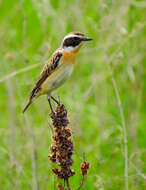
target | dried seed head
x=62, y=148
x=59, y=118
x=52, y=157
x=53, y=148
x=84, y=167
x=63, y=173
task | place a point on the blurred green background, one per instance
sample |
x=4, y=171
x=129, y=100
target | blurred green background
x=30, y=30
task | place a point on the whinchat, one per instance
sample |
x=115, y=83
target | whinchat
x=58, y=68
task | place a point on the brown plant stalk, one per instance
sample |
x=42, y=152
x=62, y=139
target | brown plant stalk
x=62, y=148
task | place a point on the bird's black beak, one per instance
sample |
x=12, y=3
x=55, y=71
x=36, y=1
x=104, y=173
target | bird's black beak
x=87, y=39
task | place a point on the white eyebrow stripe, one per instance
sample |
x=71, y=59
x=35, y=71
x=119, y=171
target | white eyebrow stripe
x=70, y=36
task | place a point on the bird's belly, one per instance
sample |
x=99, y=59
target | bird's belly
x=57, y=78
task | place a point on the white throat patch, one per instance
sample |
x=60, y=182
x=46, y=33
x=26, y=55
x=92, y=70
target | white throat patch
x=69, y=48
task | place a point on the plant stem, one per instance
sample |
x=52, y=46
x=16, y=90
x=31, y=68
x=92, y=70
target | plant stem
x=82, y=182
x=123, y=124
x=68, y=186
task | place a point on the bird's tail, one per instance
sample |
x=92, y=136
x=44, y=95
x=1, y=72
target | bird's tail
x=27, y=106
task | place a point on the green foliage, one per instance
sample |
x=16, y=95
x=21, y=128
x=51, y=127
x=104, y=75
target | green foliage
x=29, y=32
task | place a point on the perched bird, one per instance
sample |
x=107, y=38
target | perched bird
x=58, y=68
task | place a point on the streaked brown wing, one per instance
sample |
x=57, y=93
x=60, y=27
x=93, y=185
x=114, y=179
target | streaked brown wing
x=49, y=68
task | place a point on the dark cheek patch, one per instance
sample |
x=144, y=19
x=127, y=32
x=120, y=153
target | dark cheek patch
x=72, y=42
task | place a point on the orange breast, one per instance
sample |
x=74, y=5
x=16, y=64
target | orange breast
x=68, y=58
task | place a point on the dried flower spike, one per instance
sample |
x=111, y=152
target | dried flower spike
x=84, y=167
x=62, y=148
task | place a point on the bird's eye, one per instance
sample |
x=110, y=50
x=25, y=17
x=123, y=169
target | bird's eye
x=76, y=38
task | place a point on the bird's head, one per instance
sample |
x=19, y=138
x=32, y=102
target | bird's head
x=73, y=41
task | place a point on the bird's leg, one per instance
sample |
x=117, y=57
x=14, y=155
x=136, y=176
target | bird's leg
x=50, y=104
x=52, y=111
x=55, y=100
